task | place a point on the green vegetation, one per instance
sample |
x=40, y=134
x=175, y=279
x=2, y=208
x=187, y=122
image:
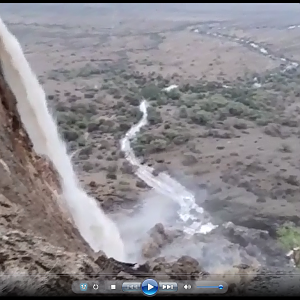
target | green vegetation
x=289, y=236
x=210, y=104
x=206, y=108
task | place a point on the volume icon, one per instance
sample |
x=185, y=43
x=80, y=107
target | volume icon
x=187, y=286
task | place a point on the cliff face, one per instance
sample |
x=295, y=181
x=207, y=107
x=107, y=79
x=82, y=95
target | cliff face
x=29, y=185
x=29, y=210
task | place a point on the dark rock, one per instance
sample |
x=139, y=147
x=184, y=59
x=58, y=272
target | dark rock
x=159, y=238
x=70, y=135
x=92, y=184
x=88, y=150
x=127, y=168
x=187, y=260
x=273, y=130
x=92, y=127
x=261, y=199
x=89, y=95
x=150, y=249
x=141, y=184
x=189, y=160
x=293, y=180
x=112, y=176
x=159, y=169
x=240, y=125
x=263, y=246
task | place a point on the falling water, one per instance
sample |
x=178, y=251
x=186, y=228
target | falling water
x=98, y=230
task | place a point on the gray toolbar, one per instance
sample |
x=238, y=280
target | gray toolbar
x=126, y=287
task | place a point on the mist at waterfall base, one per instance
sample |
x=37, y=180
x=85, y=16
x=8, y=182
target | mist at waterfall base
x=217, y=251
x=213, y=251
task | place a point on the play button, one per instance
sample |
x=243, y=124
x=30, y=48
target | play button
x=149, y=287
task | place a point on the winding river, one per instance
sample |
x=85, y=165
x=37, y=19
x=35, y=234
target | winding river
x=165, y=185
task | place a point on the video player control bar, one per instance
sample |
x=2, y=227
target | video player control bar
x=149, y=287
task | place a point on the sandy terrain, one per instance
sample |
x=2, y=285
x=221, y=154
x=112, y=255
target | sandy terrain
x=216, y=132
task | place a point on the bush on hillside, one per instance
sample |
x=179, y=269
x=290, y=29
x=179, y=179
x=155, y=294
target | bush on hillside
x=289, y=236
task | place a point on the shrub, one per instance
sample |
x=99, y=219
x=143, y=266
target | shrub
x=151, y=92
x=183, y=112
x=70, y=135
x=154, y=116
x=289, y=236
x=200, y=117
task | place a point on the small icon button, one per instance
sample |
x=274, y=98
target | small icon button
x=131, y=286
x=112, y=286
x=187, y=286
x=149, y=287
x=83, y=287
x=95, y=286
x=168, y=286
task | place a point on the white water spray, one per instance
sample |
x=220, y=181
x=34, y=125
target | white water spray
x=165, y=185
x=96, y=228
